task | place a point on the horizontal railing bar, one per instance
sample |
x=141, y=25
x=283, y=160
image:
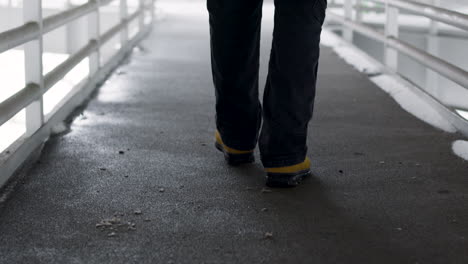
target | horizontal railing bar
x=111, y=32
x=54, y=76
x=18, y=101
x=19, y=35
x=443, y=67
x=375, y=9
x=52, y=22
x=115, y=29
x=29, y=31
x=66, y=66
x=439, y=65
x=23, y=147
x=443, y=15
x=365, y=30
x=359, y=7
x=19, y=151
x=443, y=32
x=447, y=33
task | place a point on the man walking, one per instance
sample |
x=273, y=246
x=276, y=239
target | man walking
x=288, y=100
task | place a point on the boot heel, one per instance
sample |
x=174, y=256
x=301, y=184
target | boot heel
x=235, y=159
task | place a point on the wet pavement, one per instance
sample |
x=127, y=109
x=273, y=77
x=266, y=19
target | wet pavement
x=137, y=179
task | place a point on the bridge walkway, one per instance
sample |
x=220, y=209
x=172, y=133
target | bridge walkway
x=137, y=179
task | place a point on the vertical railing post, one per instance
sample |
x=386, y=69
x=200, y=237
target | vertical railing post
x=391, y=30
x=93, y=35
x=32, y=12
x=72, y=39
x=432, y=78
x=359, y=11
x=348, y=13
x=123, y=18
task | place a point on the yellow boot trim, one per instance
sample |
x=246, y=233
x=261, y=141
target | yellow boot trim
x=303, y=166
x=228, y=149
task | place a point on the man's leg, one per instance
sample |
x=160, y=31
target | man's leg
x=290, y=90
x=235, y=40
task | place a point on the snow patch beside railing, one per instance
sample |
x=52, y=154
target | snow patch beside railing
x=353, y=56
x=460, y=148
x=412, y=102
x=401, y=93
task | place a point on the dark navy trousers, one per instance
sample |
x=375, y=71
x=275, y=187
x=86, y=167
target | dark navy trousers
x=289, y=94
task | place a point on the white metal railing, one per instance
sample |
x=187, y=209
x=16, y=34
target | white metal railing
x=433, y=12
x=393, y=44
x=351, y=22
x=31, y=33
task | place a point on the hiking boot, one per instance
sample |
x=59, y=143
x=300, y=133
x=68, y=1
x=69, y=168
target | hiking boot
x=288, y=176
x=233, y=157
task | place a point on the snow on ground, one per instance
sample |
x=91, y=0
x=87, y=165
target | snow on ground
x=462, y=113
x=353, y=56
x=412, y=102
x=460, y=148
x=403, y=95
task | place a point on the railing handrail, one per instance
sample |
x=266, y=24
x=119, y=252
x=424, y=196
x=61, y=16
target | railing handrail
x=54, y=21
x=31, y=97
x=24, y=33
x=19, y=35
x=30, y=31
x=441, y=66
x=439, y=14
x=18, y=101
x=449, y=17
x=37, y=83
x=55, y=75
